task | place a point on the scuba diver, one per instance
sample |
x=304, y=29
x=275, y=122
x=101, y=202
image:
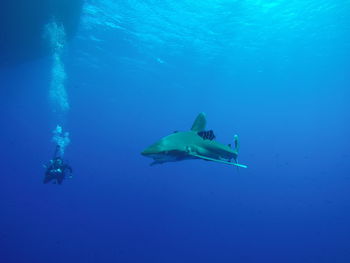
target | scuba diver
x=56, y=169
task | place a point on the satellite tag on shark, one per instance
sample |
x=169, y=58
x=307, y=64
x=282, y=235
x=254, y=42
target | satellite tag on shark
x=196, y=143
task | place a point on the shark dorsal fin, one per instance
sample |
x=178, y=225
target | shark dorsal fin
x=199, y=123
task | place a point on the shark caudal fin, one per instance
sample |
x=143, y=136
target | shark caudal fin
x=199, y=123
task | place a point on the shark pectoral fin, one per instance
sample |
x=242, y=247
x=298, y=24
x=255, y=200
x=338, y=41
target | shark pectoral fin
x=218, y=161
x=199, y=123
x=155, y=162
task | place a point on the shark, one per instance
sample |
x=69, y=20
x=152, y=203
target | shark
x=197, y=143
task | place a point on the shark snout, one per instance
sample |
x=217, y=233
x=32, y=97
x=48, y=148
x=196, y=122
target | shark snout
x=153, y=150
x=149, y=152
x=145, y=153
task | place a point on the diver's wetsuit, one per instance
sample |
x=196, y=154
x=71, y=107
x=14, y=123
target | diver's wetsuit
x=57, y=169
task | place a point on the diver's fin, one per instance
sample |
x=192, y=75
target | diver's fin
x=218, y=161
x=199, y=123
x=60, y=179
x=47, y=179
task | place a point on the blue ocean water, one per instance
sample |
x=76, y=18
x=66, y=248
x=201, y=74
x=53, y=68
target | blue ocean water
x=274, y=72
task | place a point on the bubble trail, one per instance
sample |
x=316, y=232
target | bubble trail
x=58, y=95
